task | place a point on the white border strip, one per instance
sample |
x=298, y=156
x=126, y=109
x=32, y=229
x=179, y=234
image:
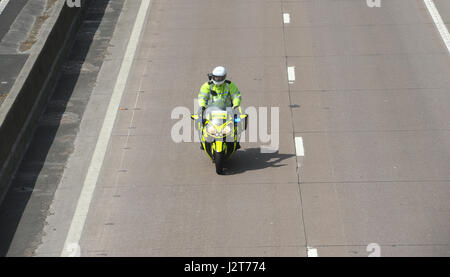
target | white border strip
x=299, y=149
x=79, y=218
x=286, y=18
x=291, y=74
x=439, y=22
x=3, y=4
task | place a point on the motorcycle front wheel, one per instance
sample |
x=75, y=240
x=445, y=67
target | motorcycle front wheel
x=219, y=160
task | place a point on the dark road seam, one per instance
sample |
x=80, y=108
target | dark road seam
x=293, y=127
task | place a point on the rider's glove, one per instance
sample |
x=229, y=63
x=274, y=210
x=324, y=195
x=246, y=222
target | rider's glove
x=202, y=114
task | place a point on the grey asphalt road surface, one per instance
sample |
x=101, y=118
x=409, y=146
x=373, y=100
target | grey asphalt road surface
x=363, y=91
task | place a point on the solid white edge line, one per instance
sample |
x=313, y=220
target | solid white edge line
x=286, y=18
x=3, y=4
x=438, y=22
x=312, y=252
x=299, y=149
x=291, y=74
x=79, y=218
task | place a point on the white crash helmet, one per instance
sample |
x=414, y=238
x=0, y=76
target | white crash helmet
x=219, y=75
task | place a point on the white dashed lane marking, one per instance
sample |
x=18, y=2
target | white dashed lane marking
x=299, y=149
x=312, y=252
x=286, y=18
x=291, y=74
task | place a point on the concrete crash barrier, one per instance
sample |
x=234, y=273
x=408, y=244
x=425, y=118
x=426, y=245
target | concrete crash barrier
x=20, y=112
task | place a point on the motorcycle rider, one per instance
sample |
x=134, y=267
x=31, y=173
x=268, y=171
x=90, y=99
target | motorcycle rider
x=220, y=91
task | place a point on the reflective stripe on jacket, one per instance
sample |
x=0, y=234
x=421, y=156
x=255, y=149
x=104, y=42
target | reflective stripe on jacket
x=226, y=94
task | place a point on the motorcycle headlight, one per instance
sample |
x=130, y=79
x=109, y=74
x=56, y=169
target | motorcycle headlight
x=211, y=130
x=226, y=131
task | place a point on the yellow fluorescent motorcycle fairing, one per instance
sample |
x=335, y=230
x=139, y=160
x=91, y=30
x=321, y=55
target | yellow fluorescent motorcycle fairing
x=220, y=129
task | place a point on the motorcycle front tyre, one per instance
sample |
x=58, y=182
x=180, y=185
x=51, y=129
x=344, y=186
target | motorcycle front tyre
x=219, y=161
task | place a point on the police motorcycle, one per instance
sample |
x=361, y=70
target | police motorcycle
x=220, y=128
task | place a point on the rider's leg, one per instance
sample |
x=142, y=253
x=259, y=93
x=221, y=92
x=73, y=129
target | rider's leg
x=237, y=113
x=201, y=113
x=200, y=136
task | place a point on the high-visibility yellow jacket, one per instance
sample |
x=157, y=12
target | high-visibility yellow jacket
x=226, y=95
